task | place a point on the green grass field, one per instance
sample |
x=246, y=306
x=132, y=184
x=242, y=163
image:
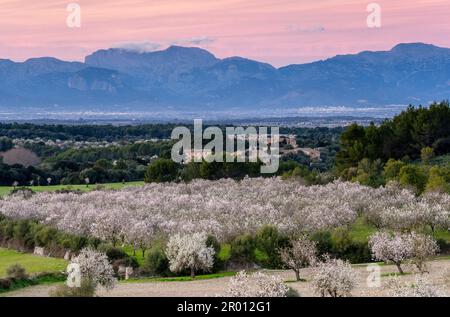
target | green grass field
x=32, y=263
x=5, y=190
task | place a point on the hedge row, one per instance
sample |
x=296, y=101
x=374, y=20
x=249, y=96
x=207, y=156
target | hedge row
x=27, y=234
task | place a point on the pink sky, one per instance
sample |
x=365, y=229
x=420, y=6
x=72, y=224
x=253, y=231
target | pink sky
x=276, y=31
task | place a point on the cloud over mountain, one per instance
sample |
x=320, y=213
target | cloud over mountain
x=139, y=47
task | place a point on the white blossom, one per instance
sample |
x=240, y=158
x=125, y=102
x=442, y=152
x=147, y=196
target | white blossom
x=421, y=288
x=302, y=254
x=226, y=209
x=394, y=248
x=398, y=247
x=95, y=267
x=333, y=277
x=256, y=285
x=423, y=247
x=189, y=251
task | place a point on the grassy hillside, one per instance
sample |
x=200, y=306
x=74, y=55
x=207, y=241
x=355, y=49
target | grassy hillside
x=32, y=263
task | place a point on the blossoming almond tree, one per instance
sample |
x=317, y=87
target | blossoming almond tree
x=226, y=209
x=333, y=277
x=300, y=255
x=422, y=287
x=398, y=247
x=394, y=248
x=95, y=268
x=189, y=251
x=423, y=247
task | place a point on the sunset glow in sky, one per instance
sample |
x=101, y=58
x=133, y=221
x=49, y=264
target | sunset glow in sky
x=276, y=31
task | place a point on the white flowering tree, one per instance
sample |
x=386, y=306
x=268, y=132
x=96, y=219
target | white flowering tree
x=139, y=233
x=256, y=285
x=301, y=254
x=95, y=268
x=395, y=248
x=189, y=251
x=438, y=210
x=423, y=247
x=227, y=208
x=224, y=208
x=422, y=287
x=333, y=277
x=399, y=247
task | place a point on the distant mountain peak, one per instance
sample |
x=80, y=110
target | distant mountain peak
x=44, y=59
x=177, y=48
x=173, y=49
x=192, y=78
x=419, y=50
x=186, y=52
x=414, y=46
x=155, y=64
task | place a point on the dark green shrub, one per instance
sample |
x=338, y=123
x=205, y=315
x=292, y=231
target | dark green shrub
x=132, y=261
x=6, y=229
x=6, y=144
x=45, y=235
x=243, y=249
x=341, y=240
x=347, y=249
x=22, y=232
x=28, y=233
x=92, y=242
x=357, y=252
x=68, y=241
x=324, y=241
x=444, y=246
x=161, y=170
x=50, y=277
x=128, y=261
x=212, y=242
x=115, y=253
x=340, y=244
x=156, y=263
x=118, y=256
x=268, y=241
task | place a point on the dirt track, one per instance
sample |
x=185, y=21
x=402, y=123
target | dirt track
x=440, y=275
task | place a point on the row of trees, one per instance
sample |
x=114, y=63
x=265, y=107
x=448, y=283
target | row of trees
x=409, y=149
x=419, y=176
x=402, y=138
x=128, y=161
x=78, y=131
x=329, y=276
x=227, y=209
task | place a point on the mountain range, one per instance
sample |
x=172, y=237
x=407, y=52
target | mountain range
x=187, y=78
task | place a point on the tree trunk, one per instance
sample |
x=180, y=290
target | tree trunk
x=297, y=275
x=192, y=273
x=399, y=267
